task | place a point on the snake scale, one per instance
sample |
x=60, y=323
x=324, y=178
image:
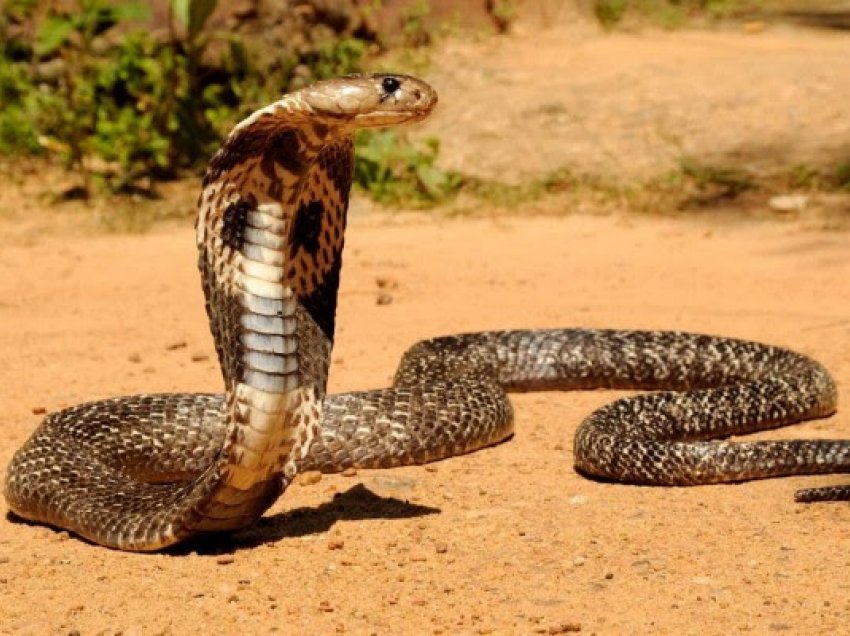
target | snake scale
x=146, y=472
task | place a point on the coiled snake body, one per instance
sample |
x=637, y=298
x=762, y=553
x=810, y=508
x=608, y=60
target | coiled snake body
x=145, y=472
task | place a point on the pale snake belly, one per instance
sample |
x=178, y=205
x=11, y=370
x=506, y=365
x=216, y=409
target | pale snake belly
x=145, y=472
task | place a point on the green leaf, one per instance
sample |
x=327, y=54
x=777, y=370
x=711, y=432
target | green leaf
x=193, y=14
x=52, y=34
x=132, y=11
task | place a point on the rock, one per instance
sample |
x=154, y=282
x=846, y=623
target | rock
x=385, y=282
x=788, y=202
x=308, y=478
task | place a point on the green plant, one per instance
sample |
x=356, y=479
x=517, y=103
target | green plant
x=68, y=112
x=504, y=12
x=18, y=134
x=413, y=23
x=842, y=176
x=609, y=12
x=140, y=124
x=391, y=170
x=338, y=57
x=801, y=176
x=671, y=13
x=717, y=182
x=135, y=106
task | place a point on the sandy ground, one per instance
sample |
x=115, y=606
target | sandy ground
x=630, y=106
x=510, y=539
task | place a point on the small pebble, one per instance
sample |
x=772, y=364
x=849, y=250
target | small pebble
x=385, y=282
x=579, y=561
x=384, y=299
x=564, y=628
x=325, y=606
x=308, y=478
x=177, y=344
x=39, y=410
x=225, y=559
x=788, y=202
x=349, y=472
x=199, y=356
x=441, y=548
x=336, y=544
x=134, y=357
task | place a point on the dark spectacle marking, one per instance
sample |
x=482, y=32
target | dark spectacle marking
x=235, y=220
x=307, y=227
x=321, y=302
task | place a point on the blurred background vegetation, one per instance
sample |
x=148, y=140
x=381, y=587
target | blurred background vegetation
x=128, y=94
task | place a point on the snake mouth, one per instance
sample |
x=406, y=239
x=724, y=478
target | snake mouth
x=389, y=118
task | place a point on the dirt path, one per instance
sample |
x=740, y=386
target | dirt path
x=630, y=106
x=508, y=540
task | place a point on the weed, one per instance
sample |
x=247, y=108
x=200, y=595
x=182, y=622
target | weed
x=609, y=12
x=413, y=23
x=338, y=57
x=670, y=13
x=842, y=177
x=17, y=130
x=504, y=13
x=803, y=177
x=714, y=183
x=392, y=170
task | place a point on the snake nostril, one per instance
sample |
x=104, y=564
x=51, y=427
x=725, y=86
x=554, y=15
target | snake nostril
x=417, y=94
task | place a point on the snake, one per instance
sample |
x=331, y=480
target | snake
x=146, y=472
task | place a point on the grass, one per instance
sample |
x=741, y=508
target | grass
x=691, y=187
x=671, y=14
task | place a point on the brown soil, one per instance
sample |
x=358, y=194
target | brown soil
x=507, y=540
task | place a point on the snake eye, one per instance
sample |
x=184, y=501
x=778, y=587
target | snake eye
x=390, y=84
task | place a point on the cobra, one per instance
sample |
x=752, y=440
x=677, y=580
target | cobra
x=145, y=472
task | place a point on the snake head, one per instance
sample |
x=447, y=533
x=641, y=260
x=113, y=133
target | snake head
x=374, y=100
